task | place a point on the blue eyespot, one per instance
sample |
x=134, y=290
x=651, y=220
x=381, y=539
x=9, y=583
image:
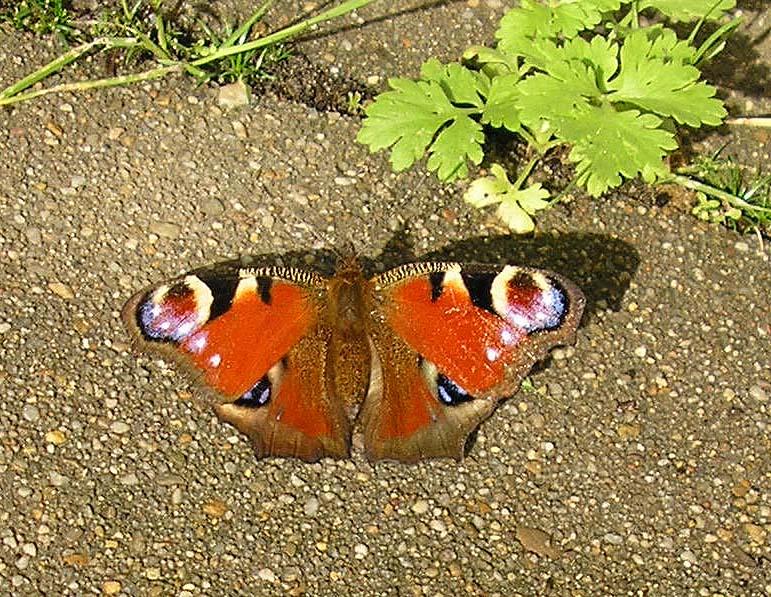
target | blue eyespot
x=258, y=396
x=449, y=392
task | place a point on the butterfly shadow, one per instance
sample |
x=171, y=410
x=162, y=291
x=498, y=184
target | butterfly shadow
x=601, y=266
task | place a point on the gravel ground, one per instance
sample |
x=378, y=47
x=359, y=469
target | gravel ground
x=637, y=465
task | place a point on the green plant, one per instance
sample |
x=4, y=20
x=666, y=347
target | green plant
x=588, y=74
x=40, y=16
x=144, y=34
x=728, y=194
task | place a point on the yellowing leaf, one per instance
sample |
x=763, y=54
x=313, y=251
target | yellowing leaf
x=516, y=205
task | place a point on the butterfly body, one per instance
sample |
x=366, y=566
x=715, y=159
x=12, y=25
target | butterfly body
x=415, y=357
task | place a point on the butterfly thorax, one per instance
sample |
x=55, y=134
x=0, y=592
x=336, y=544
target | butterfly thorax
x=348, y=358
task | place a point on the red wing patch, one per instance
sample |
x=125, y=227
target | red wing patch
x=297, y=403
x=236, y=350
x=466, y=343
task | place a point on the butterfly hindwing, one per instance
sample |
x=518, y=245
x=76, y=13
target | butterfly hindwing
x=256, y=339
x=449, y=342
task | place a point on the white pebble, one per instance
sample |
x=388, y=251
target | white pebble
x=420, y=507
x=267, y=574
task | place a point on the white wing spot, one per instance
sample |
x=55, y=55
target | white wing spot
x=492, y=354
x=521, y=321
x=215, y=360
x=199, y=343
x=185, y=328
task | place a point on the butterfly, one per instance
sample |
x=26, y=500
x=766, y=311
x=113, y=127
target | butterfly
x=414, y=358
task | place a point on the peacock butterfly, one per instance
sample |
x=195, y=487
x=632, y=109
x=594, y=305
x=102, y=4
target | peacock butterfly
x=415, y=357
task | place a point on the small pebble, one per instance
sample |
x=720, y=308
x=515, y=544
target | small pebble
x=311, y=506
x=215, y=508
x=688, y=557
x=61, y=290
x=33, y=235
x=267, y=574
x=111, y=587
x=756, y=533
x=759, y=394
x=239, y=129
x=30, y=413
x=212, y=207
x=120, y=427
x=57, y=479
x=420, y=507
x=537, y=541
x=129, y=479
x=165, y=229
x=153, y=573
x=233, y=95
x=360, y=550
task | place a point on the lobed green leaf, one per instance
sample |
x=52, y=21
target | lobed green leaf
x=608, y=144
x=503, y=103
x=667, y=87
x=460, y=84
x=458, y=142
x=690, y=10
x=560, y=19
x=407, y=118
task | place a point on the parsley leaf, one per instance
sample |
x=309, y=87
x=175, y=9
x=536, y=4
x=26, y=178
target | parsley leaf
x=534, y=20
x=689, y=10
x=462, y=139
x=666, y=87
x=461, y=85
x=608, y=144
x=407, y=117
x=420, y=116
x=503, y=101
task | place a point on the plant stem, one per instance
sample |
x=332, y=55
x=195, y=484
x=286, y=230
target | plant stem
x=148, y=75
x=525, y=172
x=695, y=185
x=285, y=33
x=763, y=122
x=244, y=29
x=62, y=61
